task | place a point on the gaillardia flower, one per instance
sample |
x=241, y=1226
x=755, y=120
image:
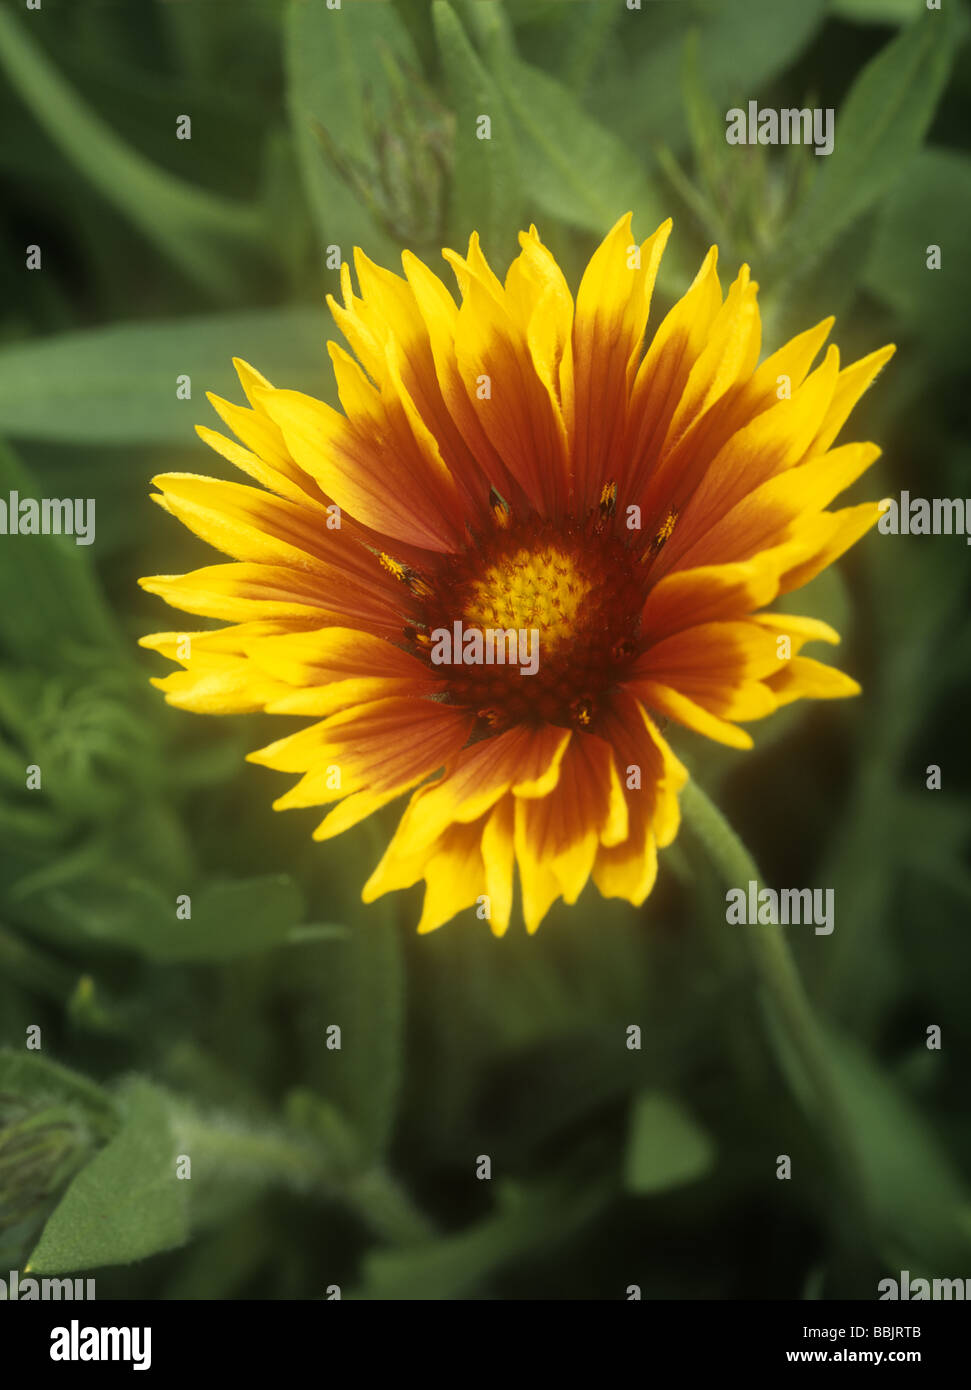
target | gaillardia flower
x=525, y=543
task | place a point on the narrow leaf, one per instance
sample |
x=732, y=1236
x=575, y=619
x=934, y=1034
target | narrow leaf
x=881, y=123
x=227, y=920
x=118, y=385
x=587, y=181
x=213, y=239
x=338, y=101
x=485, y=182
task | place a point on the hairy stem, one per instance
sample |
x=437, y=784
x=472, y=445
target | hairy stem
x=802, y=1045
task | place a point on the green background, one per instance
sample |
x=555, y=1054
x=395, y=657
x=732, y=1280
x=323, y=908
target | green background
x=611, y=1167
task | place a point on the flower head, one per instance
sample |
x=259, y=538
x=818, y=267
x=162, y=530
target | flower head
x=524, y=539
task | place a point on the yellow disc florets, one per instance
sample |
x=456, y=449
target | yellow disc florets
x=533, y=623
x=542, y=589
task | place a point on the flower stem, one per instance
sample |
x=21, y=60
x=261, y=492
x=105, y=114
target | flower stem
x=803, y=1050
x=278, y=1158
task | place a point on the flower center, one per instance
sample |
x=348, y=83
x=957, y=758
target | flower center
x=541, y=589
x=533, y=623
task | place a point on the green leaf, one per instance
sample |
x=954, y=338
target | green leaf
x=143, y=103
x=117, y=385
x=706, y=128
x=879, y=126
x=339, y=99
x=588, y=180
x=49, y=590
x=127, y=1203
x=931, y=206
x=573, y=36
x=878, y=11
x=528, y=1219
x=365, y=999
x=743, y=46
x=834, y=281
x=913, y=624
x=667, y=1148
x=746, y=43
x=215, y=240
x=485, y=182
x=916, y=1196
x=234, y=919
x=37, y=1079
x=416, y=17
x=356, y=984
x=228, y=919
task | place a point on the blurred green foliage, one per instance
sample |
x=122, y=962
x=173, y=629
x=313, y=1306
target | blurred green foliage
x=208, y=1038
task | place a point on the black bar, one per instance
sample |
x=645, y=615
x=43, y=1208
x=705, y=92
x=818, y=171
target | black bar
x=263, y=1338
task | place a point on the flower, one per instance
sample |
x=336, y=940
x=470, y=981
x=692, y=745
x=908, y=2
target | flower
x=518, y=464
